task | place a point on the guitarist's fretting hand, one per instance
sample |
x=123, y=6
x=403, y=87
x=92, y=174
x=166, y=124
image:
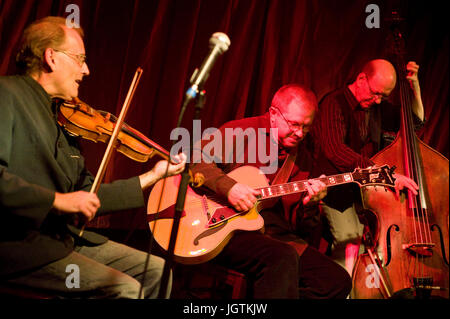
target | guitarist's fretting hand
x=242, y=197
x=316, y=191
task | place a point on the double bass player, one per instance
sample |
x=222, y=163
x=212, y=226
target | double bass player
x=352, y=125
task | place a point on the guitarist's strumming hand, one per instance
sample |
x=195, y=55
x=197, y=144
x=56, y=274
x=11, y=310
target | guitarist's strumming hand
x=242, y=197
x=316, y=191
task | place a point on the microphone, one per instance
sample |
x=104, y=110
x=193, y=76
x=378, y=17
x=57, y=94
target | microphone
x=218, y=43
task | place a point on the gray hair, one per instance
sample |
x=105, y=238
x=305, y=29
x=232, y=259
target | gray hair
x=45, y=33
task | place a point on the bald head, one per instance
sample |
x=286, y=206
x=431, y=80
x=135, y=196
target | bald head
x=375, y=82
x=382, y=72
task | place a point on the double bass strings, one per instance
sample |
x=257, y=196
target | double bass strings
x=421, y=226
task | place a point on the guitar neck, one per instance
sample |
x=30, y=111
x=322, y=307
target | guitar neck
x=300, y=186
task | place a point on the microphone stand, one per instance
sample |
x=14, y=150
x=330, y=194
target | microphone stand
x=181, y=197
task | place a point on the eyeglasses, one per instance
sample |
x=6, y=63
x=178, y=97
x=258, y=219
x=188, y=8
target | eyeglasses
x=79, y=58
x=375, y=94
x=294, y=127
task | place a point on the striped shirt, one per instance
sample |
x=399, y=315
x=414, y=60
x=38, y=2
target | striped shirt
x=332, y=131
x=350, y=135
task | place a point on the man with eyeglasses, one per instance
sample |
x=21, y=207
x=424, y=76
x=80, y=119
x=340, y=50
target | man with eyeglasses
x=352, y=125
x=282, y=262
x=44, y=184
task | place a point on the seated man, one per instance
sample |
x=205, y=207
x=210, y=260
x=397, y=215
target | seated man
x=279, y=263
x=351, y=126
x=44, y=183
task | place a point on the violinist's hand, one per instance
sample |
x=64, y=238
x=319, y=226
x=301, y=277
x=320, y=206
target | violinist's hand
x=316, y=191
x=81, y=202
x=242, y=197
x=402, y=182
x=159, y=170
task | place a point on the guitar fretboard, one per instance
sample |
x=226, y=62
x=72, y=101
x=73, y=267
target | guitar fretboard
x=300, y=186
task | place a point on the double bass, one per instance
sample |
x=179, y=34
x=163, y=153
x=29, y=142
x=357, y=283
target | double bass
x=407, y=256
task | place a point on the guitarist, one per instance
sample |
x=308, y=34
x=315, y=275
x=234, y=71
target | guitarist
x=279, y=263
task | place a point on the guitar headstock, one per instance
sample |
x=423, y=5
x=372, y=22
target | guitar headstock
x=375, y=175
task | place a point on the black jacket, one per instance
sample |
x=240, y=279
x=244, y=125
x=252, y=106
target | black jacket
x=37, y=159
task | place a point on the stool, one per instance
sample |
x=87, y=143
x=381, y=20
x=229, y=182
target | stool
x=208, y=281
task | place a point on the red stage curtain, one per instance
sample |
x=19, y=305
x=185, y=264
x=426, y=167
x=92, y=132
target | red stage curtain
x=273, y=42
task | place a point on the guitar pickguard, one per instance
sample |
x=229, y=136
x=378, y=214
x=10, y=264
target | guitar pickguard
x=209, y=232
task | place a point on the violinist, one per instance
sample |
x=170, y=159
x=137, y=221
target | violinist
x=44, y=184
x=353, y=124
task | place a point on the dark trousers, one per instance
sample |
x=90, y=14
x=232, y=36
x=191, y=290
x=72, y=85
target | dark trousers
x=276, y=271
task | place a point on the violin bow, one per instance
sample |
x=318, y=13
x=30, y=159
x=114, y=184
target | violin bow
x=112, y=141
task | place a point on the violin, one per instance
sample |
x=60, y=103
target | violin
x=79, y=119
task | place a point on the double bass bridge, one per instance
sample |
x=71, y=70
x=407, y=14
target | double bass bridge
x=420, y=249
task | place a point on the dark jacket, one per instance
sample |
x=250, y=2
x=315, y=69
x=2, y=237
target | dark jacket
x=37, y=159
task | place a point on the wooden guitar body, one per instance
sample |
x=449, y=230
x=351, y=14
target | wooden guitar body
x=198, y=239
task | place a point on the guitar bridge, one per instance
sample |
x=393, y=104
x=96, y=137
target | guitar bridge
x=221, y=215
